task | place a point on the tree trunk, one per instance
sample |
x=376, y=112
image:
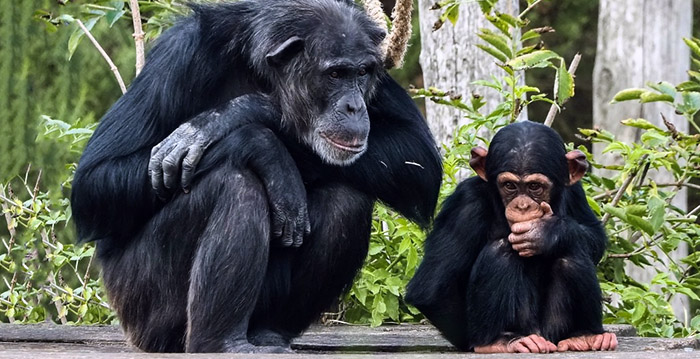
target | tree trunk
x=640, y=41
x=451, y=61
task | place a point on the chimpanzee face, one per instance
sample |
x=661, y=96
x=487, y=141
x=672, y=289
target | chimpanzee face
x=326, y=83
x=523, y=195
x=339, y=134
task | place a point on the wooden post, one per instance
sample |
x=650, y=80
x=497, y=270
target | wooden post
x=640, y=41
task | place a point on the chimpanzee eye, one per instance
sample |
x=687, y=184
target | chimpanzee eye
x=363, y=71
x=509, y=186
x=335, y=74
x=534, y=187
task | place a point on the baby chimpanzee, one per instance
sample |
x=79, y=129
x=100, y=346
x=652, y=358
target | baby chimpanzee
x=510, y=263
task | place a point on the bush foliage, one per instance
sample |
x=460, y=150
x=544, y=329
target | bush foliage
x=47, y=277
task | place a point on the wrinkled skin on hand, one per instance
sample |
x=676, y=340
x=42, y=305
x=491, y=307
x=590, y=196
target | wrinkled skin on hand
x=266, y=156
x=527, y=237
x=605, y=341
x=182, y=149
x=532, y=343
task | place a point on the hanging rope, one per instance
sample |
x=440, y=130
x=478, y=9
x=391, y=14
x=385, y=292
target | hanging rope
x=394, y=46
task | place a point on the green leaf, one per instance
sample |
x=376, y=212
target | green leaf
x=688, y=292
x=690, y=104
x=532, y=59
x=563, y=84
x=498, y=41
x=501, y=25
x=654, y=138
x=688, y=86
x=640, y=223
x=75, y=37
x=639, y=311
x=657, y=212
x=453, y=14
x=532, y=34
x=663, y=87
x=628, y=94
x=640, y=123
x=693, y=46
x=615, y=212
x=493, y=52
x=648, y=96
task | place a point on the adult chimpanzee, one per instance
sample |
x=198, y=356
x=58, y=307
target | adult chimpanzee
x=510, y=263
x=290, y=101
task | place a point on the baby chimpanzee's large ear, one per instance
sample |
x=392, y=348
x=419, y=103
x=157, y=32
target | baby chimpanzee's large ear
x=577, y=166
x=478, y=161
x=285, y=51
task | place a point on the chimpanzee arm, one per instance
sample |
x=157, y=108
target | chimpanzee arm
x=459, y=234
x=577, y=231
x=402, y=165
x=175, y=160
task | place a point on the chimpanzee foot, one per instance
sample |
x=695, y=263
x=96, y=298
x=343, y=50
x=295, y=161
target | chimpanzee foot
x=247, y=348
x=605, y=341
x=268, y=338
x=532, y=343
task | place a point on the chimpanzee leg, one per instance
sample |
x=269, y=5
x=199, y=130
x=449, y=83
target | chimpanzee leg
x=502, y=297
x=190, y=280
x=229, y=267
x=573, y=304
x=302, y=282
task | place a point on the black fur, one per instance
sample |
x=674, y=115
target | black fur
x=197, y=273
x=476, y=289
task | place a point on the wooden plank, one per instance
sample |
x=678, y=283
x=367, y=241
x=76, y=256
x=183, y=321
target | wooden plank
x=37, y=338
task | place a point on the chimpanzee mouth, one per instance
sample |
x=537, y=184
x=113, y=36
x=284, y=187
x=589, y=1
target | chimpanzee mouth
x=357, y=147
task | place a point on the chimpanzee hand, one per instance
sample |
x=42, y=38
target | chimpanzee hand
x=532, y=343
x=527, y=237
x=255, y=145
x=183, y=149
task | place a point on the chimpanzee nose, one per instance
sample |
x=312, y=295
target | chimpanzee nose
x=353, y=104
x=523, y=206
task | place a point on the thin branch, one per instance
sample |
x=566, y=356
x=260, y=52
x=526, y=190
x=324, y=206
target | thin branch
x=554, y=109
x=138, y=35
x=13, y=203
x=622, y=189
x=686, y=184
x=528, y=9
x=111, y=64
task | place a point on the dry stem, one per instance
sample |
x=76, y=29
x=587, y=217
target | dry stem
x=554, y=109
x=111, y=64
x=138, y=35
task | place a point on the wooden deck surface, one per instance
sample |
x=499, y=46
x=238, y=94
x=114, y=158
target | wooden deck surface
x=402, y=341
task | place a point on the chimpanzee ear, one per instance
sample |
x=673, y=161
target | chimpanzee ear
x=285, y=51
x=478, y=161
x=577, y=165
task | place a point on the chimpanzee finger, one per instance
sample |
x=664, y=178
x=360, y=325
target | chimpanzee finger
x=551, y=347
x=597, y=342
x=613, y=341
x=526, y=253
x=301, y=225
x=307, y=222
x=609, y=341
x=546, y=209
x=189, y=164
x=521, y=227
x=288, y=235
x=563, y=346
x=530, y=344
x=171, y=166
x=516, y=238
x=541, y=342
x=519, y=347
x=155, y=172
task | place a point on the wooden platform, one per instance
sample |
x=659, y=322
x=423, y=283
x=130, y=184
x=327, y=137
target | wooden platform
x=403, y=341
